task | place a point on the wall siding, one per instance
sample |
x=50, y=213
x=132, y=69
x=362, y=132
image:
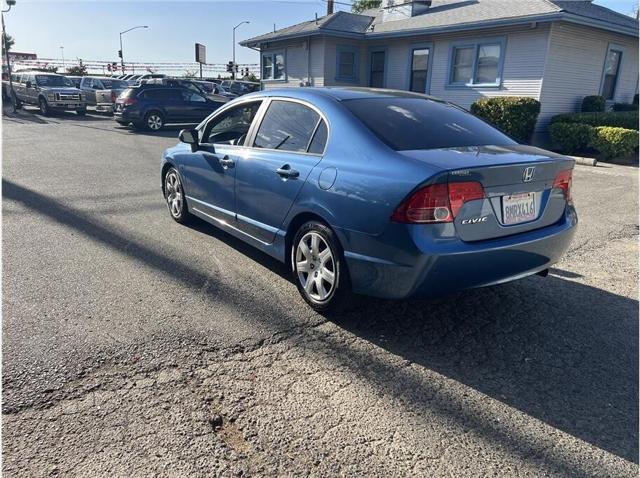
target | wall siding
x=298, y=68
x=574, y=68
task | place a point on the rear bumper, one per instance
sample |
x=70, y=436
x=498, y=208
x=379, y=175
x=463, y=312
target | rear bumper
x=104, y=107
x=439, y=268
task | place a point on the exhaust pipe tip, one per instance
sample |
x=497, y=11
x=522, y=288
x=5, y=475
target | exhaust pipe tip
x=543, y=273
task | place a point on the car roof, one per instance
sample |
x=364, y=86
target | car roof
x=338, y=93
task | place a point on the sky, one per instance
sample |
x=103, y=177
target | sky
x=89, y=29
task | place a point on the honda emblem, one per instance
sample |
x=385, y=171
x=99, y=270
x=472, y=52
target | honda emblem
x=528, y=173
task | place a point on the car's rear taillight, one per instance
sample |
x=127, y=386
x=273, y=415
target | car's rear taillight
x=129, y=101
x=437, y=202
x=563, y=181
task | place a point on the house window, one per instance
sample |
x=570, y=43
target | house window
x=273, y=66
x=377, y=69
x=610, y=75
x=419, y=66
x=478, y=64
x=347, y=64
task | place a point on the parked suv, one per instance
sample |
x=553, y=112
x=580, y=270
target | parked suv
x=48, y=91
x=151, y=106
x=102, y=92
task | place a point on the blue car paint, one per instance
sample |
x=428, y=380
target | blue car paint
x=368, y=181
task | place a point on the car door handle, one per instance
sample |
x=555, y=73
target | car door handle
x=227, y=163
x=286, y=172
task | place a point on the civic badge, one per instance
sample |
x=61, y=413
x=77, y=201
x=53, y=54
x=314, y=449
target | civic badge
x=528, y=173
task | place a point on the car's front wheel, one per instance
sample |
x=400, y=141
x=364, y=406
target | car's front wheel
x=318, y=267
x=174, y=195
x=44, y=107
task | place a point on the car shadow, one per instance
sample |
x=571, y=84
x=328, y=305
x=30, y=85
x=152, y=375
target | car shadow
x=559, y=351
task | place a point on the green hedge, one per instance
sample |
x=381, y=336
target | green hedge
x=515, y=115
x=593, y=104
x=614, y=142
x=621, y=119
x=570, y=138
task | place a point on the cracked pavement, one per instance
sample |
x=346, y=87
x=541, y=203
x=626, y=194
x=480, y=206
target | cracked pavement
x=133, y=346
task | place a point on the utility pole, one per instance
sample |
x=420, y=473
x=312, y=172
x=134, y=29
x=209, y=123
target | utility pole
x=233, y=71
x=63, y=65
x=121, y=53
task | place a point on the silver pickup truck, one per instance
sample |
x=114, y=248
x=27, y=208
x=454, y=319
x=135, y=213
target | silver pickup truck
x=102, y=92
x=48, y=91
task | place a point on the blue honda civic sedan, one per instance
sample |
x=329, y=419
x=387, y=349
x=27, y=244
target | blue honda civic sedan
x=377, y=192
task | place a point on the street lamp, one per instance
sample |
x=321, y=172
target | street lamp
x=62, y=50
x=121, y=53
x=233, y=70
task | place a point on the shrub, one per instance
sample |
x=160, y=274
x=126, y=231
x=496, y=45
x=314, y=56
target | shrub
x=570, y=137
x=625, y=107
x=515, y=115
x=593, y=104
x=614, y=142
x=621, y=119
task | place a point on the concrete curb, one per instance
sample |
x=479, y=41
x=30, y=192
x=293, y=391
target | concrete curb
x=585, y=161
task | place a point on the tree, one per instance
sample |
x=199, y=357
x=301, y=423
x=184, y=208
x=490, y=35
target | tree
x=359, y=6
x=252, y=77
x=190, y=73
x=7, y=43
x=80, y=70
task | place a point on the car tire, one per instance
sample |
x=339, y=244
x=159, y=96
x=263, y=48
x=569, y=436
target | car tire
x=175, y=197
x=153, y=121
x=321, y=277
x=44, y=107
x=81, y=112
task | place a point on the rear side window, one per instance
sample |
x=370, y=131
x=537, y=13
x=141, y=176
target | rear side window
x=163, y=94
x=418, y=123
x=319, y=139
x=287, y=126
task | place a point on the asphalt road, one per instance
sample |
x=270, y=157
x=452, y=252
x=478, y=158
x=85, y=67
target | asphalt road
x=133, y=346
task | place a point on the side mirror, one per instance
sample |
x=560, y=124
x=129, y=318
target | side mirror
x=28, y=84
x=189, y=136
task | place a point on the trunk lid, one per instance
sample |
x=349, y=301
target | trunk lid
x=518, y=185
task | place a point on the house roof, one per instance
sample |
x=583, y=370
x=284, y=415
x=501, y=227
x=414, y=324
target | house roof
x=453, y=15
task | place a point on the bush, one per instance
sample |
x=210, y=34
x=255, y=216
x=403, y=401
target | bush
x=621, y=119
x=614, y=142
x=570, y=137
x=593, y=104
x=625, y=107
x=515, y=115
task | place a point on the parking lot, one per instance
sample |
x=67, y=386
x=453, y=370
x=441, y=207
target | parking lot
x=133, y=346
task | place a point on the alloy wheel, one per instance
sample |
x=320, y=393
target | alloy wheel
x=315, y=266
x=173, y=190
x=154, y=122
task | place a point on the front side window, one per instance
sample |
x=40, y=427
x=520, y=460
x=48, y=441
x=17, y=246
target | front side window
x=232, y=126
x=346, y=68
x=287, y=126
x=477, y=64
x=611, y=70
x=273, y=66
x=419, y=66
x=406, y=124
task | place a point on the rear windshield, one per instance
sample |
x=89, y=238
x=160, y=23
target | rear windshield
x=113, y=84
x=419, y=123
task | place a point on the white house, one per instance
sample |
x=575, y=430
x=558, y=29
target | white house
x=556, y=51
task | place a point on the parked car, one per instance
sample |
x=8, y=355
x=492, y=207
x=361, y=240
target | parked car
x=194, y=85
x=148, y=76
x=240, y=88
x=151, y=106
x=102, y=92
x=383, y=193
x=49, y=91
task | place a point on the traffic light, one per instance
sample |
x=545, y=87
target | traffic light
x=230, y=67
x=119, y=53
x=236, y=68
x=108, y=66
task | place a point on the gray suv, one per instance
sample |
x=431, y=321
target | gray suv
x=48, y=91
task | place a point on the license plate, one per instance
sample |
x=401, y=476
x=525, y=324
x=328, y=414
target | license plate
x=518, y=208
